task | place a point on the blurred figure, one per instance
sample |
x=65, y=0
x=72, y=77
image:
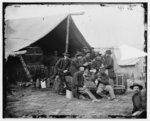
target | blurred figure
x=52, y=61
x=87, y=59
x=93, y=54
x=97, y=62
x=85, y=50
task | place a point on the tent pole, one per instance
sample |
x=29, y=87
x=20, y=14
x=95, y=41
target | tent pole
x=67, y=34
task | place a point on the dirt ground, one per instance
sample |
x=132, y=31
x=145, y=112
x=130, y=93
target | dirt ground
x=30, y=102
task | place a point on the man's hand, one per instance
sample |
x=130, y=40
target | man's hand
x=106, y=71
x=86, y=64
x=96, y=81
x=65, y=71
x=93, y=70
x=84, y=87
x=57, y=76
x=137, y=113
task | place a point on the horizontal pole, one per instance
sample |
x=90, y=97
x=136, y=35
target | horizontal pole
x=81, y=13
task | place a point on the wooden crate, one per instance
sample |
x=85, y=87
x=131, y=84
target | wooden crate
x=120, y=85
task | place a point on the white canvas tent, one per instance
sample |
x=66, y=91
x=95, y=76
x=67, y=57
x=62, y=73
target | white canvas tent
x=46, y=32
x=98, y=25
x=23, y=32
x=102, y=26
x=130, y=53
x=132, y=66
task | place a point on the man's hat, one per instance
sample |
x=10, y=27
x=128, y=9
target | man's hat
x=136, y=84
x=66, y=54
x=108, y=51
x=78, y=54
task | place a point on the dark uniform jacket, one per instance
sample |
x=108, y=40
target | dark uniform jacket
x=62, y=65
x=139, y=102
x=108, y=63
x=86, y=59
x=96, y=64
x=102, y=78
x=93, y=55
x=75, y=65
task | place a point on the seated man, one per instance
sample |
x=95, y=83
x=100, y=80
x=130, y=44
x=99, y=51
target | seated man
x=62, y=70
x=103, y=85
x=139, y=101
x=79, y=86
x=76, y=63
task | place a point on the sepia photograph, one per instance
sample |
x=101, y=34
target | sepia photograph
x=74, y=60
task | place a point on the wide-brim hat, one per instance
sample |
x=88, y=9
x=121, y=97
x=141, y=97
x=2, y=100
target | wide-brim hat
x=108, y=51
x=136, y=84
x=78, y=54
x=66, y=54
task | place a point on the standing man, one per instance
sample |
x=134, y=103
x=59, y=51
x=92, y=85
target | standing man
x=62, y=70
x=139, y=101
x=109, y=66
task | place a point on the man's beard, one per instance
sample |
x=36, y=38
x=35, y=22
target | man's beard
x=136, y=92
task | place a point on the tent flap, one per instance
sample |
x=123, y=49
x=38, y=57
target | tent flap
x=20, y=33
x=49, y=33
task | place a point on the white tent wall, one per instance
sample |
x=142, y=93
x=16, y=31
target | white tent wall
x=129, y=67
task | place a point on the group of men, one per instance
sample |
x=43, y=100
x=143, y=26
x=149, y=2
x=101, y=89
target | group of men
x=93, y=71
x=89, y=71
